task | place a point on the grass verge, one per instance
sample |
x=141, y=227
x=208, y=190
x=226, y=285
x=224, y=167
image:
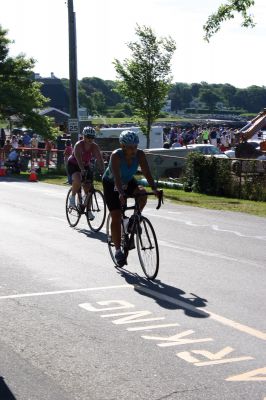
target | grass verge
x=177, y=196
x=216, y=203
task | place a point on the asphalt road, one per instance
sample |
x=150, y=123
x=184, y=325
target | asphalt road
x=74, y=327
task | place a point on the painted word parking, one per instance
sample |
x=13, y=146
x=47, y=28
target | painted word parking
x=124, y=314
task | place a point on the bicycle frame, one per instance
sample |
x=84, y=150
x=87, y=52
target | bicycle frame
x=129, y=237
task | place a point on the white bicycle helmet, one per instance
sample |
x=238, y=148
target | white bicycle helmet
x=129, y=138
x=89, y=132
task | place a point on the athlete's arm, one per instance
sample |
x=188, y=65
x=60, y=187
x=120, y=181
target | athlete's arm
x=98, y=155
x=146, y=169
x=78, y=155
x=115, y=164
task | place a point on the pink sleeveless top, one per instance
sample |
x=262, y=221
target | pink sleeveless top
x=86, y=155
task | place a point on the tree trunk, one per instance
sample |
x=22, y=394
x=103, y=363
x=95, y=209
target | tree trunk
x=148, y=132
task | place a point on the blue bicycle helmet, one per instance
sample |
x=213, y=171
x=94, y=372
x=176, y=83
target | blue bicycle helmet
x=129, y=138
x=89, y=132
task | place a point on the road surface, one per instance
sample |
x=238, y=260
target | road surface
x=75, y=328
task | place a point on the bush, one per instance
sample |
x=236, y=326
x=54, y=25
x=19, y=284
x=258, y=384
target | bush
x=214, y=176
x=207, y=175
x=119, y=114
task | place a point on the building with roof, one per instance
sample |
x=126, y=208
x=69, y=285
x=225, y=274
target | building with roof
x=53, y=88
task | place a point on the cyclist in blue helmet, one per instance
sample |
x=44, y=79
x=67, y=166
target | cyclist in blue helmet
x=119, y=181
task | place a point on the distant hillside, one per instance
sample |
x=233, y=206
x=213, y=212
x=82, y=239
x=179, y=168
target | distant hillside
x=100, y=97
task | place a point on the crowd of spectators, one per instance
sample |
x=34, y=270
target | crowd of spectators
x=221, y=137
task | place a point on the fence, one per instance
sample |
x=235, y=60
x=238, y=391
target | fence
x=35, y=157
x=241, y=178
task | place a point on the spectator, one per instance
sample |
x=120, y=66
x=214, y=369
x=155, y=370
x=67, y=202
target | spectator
x=48, y=148
x=176, y=144
x=172, y=135
x=166, y=145
x=34, y=145
x=2, y=138
x=34, y=141
x=14, y=142
x=205, y=136
x=67, y=153
x=213, y=137
x=26, y=139
x=6, y=149
x=13, y=155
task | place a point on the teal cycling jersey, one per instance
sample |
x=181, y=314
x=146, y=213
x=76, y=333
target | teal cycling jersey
x=126, y=172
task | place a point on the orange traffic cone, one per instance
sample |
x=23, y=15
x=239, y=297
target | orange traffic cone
x=2, y=168
x=33, y=176
x=2, y=171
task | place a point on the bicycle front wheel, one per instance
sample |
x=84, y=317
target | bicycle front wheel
x=147, y=247
x=96, y=211
x=72, y=213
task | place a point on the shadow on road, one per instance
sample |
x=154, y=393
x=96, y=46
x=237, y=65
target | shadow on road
x=92, y=235
x=13, y=179
x=5, y=393
x=190, y=305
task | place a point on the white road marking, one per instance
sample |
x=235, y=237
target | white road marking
x=150, y=327
x=206, y=313
x=213, y=227
x=222, y=320
x=216, y=358
x=255, y=375
x=206, y=253
x=19, y=296
x=237, y=326
x=177, y=339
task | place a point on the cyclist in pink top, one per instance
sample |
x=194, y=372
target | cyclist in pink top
x=85, y=151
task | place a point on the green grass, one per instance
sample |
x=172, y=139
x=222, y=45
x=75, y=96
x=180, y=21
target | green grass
x=177, y=196
x=216, y=202
x=3, y=124
x=97, y=121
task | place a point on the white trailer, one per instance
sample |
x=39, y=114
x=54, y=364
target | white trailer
x=156, y=136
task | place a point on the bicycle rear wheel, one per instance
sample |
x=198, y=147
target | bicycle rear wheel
x=72, y=213
x=147, y=247
x=97, y=207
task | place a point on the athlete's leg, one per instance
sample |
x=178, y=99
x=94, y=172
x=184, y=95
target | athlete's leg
x=142, y=200
x=116, y=228
x=76, y=183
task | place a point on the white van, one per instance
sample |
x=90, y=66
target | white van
x=156, y=136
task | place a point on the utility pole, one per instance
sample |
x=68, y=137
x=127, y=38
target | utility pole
x=73, y=123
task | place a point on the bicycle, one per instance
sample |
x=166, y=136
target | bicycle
x=91, y=204
x=141, y=228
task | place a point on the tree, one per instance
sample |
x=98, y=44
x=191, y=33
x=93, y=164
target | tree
x=180, y=96
x=145, y=78
x=209, y=98
x=226, y=12
x=20, y=95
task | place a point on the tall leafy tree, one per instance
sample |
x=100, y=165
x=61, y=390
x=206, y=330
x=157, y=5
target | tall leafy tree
x=20, y=95
x=209, y=98
x=226, y=12
x=145, y=78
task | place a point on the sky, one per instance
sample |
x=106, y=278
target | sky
x=39, y=29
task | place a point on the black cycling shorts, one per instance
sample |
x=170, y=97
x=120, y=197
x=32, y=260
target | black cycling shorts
x=72, y=168
x=112, y=196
